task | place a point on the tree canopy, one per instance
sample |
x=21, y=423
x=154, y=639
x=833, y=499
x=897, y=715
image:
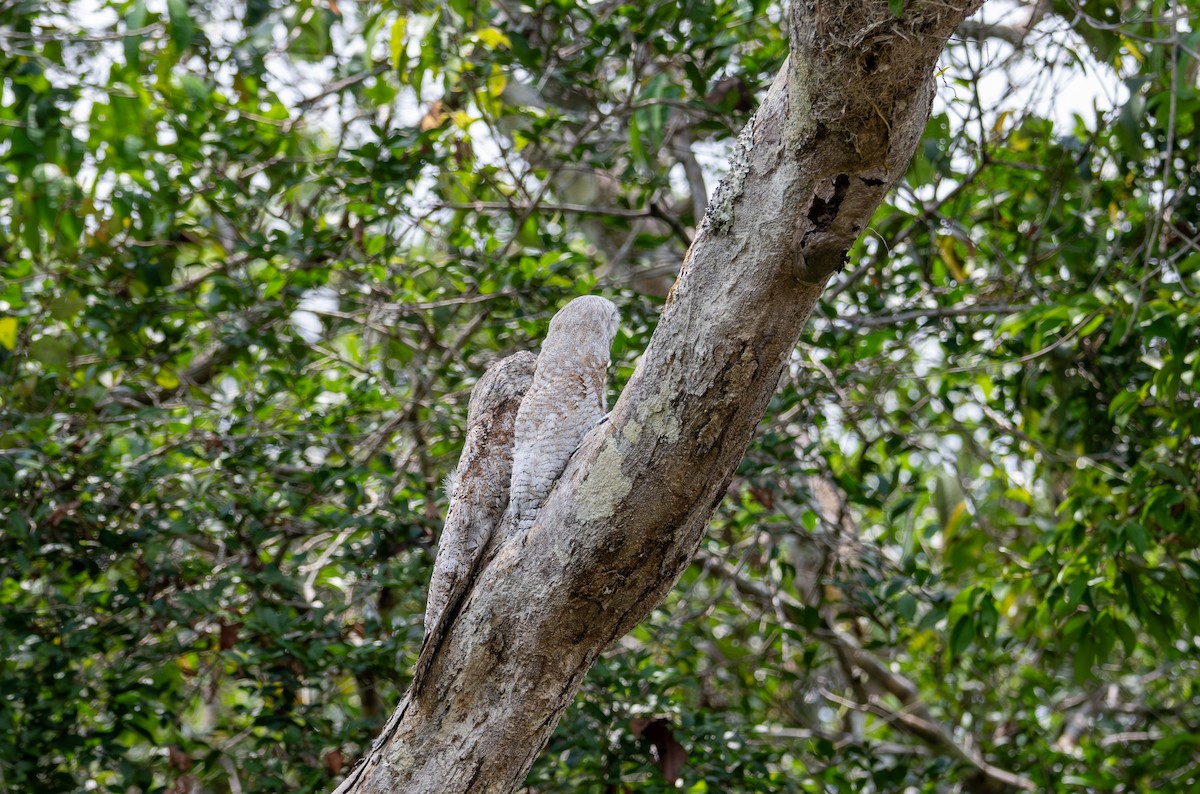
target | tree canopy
x=253, y=255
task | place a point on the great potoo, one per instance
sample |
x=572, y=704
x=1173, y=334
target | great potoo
x=564, y=402
x=478, y=492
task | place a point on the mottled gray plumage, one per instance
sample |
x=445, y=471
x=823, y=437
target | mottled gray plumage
x=512, y=455
x=564, y=402
x=478, y=493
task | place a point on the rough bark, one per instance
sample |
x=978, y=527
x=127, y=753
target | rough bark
x=836, y=130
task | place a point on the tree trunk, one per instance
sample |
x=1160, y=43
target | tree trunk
x=836, y=130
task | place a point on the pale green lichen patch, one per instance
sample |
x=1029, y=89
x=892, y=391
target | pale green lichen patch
x=799, y=119
x=399, y=756
x=604, y=487
x=656, y=416
x=632, y=432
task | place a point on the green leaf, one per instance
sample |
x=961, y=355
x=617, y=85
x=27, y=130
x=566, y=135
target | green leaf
x=67, y=306
x=1085, y=658
x=961, y=635
x=902, y=507
x=1126, y=636
x=1171, y=473
x=135, y=19
x=52, y=351
x=195, y=88
x=635, y=140
x=183, y=29
x=1137, y=536
x=310, y=37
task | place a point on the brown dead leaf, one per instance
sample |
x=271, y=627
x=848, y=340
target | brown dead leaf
x=62, y=511
x=434, y=117
x=670, y=754
x=229, y=635
x=178, y=759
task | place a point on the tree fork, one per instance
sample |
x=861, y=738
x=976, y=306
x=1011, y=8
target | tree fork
x=836, y=130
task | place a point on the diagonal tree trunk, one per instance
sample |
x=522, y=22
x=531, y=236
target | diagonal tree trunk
x=835, y=132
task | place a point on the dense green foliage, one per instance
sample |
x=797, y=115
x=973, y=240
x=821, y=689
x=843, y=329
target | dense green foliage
x=254, y=254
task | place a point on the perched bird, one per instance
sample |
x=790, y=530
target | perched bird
x=512, y=455
x=478, y=493
x=564, y=402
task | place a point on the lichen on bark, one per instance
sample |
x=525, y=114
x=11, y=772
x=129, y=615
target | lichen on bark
x=604, y=485
x=718, y=218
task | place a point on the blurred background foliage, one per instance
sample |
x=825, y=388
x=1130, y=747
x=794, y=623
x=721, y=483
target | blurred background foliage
x=254, y=253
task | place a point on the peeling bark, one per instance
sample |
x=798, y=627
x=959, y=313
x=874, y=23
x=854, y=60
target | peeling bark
x=835, y=132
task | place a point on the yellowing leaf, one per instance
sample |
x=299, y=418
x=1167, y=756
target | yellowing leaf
x=8, y=332
x=957, y=516
x=492, y=37
x=397, y=43
x=1133, y=50
x=950, y=257
x=496, y=82
x=166, y=378
x=1001, y=118
x=462, y=119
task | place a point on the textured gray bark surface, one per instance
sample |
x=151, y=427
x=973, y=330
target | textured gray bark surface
x=835, y=132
